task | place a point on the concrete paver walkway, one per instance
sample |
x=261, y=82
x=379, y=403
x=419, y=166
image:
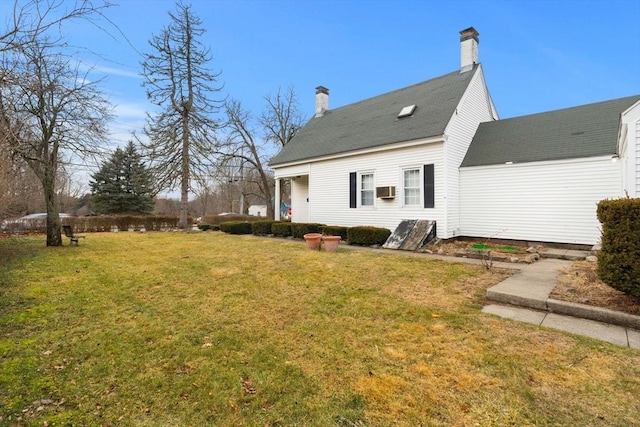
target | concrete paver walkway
x=601, y=331
x=527, y=295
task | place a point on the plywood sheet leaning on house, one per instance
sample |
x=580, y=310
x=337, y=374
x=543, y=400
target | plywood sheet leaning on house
x=400, y=234
x=411, y=234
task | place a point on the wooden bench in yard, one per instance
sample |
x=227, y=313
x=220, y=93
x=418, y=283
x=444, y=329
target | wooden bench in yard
x=73, y=238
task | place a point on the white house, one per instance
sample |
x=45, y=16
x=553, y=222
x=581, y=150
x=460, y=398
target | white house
x=437, y=151
x=258, y=210
x=629, y=149
x=540, y=177
x=391, y=157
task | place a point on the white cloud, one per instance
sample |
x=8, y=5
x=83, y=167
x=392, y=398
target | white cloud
x=116, y=71
x=130, y=110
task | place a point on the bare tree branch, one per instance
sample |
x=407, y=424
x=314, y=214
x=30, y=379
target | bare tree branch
x=177, y=79
x=277, y=124
x=48, y=107
x=34, y=19
x=282, y=118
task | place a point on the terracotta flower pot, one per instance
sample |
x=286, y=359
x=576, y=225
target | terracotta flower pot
x=313, y=241
x=331, y=243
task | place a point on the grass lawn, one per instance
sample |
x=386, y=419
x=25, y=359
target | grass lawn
x=175, y=329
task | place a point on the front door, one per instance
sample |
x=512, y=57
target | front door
x=300, y=199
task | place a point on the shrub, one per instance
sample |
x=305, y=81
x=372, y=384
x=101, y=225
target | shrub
x=123, y=222
x=262, y=228
x=299, y=229
x=332, y=230
x=149, y=222
x=618, y=264
x=236, y=227
x=281, y=229
x=367, y=236
x=204, y=227
x=91, y=224
x=218, y=219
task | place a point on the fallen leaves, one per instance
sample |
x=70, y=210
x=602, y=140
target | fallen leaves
x=247, y=386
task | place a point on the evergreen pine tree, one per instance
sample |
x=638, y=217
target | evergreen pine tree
x=123, y=184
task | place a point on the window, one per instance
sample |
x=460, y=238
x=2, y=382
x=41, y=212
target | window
x=407, y=111
x=366, y=189
x=418, y=186
x=411, y=187
x=361, y=189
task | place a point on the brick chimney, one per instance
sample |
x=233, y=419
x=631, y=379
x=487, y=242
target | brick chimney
x=322, y=100
x=468, y=49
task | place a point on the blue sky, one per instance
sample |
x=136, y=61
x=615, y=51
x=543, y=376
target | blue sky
x=537, y=55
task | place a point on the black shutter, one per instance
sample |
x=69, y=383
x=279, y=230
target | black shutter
x=429, y=186
x=353, y=190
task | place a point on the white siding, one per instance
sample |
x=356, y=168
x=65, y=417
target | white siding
x=328, y=185
x=329, y=188
x=629, y=149
x=544, y=201
x=258, y=210
x=475, y=107
x=291, y=171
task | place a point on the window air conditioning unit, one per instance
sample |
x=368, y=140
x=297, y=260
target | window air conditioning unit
x=388, y=192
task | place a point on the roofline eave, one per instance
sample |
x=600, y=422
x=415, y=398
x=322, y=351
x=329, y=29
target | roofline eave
x=596, y=157
x=385, y=147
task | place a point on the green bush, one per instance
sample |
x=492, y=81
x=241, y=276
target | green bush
x=204, y=227
x=618, y=264
x=236, y=227
x=332, y=230
x=262, y=228
x=281, y=229
x=367, y=236
x=299, y=229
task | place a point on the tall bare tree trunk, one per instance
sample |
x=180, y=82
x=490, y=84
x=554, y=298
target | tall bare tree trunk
x=178, y=80
x=184, y=184
x=266, y=182
x=54, y=235
x=48, y=105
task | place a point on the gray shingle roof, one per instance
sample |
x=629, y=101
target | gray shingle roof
x=373, y=122
x=584, y=131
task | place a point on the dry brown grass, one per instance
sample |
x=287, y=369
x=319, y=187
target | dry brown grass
x=213, y=329
x=579, y=283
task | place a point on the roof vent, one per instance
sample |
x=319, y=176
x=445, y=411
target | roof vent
x=407, y=111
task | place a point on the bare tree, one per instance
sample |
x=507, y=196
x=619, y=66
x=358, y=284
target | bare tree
x=205, y=198
x=48, y=106
x=249, y=141
x=31, y=19
x=42, y=93
x=166, y=207
x=281, y=119
x=20, y=190
x=178, y=80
